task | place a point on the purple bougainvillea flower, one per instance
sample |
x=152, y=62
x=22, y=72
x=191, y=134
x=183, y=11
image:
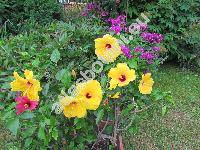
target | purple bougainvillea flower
x=23, y=104
x=139, y=49
x=126, y=51
x=148, y=56
x=90, y=6
x=117, y=29
x=156, y=48
x=118, y=24
x=152, y=37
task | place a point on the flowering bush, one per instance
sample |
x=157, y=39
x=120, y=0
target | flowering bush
x=60, y=104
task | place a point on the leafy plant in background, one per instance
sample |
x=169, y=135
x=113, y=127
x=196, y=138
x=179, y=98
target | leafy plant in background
x=169, y=17
x=191, y=36
x=20, y=15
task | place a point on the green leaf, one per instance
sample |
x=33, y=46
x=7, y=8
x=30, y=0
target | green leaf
x=164, y=110
x=6, y=86
x=36, y=62
x=133, y=129
x=71, y=145
x=27, y=115
x=103, y=81
x=60, y=74
x=28, y=142
x=29, y=132
x=55, y=56
x=132, y=63
x=13, y=125
x=46, y=89
x=64, y=76
x=41, y=133
x=2, y=105
x=100, y=115
x=55, y=133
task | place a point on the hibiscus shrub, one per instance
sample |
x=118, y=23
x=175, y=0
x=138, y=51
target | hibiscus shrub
x=75, y=86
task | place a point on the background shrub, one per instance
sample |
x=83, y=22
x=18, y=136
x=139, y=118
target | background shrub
x=192, y=44
x=17, y=15
x=173, y=18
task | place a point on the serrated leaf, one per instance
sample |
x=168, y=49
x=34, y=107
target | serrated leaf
x=55, y=56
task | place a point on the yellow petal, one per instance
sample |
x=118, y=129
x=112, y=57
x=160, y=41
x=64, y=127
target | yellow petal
x=115, y=96
x=19, y=84
x=75, y=110
x=90, y=94
x=28, y=74
x=113, y=84
x=104, y=53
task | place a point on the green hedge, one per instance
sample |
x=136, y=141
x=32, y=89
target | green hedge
x=18, y=15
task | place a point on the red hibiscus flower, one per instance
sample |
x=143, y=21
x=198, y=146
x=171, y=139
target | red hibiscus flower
x=23, y=104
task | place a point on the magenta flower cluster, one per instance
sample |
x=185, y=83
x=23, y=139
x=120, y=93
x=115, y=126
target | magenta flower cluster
x=148, y=56
x=156, y=48
x=93, y=7
x=152, y=37
x=139, y=49
x=118, y=24
x=126, y=51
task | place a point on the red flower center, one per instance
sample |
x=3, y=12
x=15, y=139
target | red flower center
x=73, y=103
x=26, y=105
x=122, y=78
x=29, y=83
x=108, y=46
x=88, y=95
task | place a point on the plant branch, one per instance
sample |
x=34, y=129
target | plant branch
x=100, y=135
x=134, y=112
x=117, y=112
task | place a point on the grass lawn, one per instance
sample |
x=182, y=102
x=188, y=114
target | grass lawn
x=180, y=128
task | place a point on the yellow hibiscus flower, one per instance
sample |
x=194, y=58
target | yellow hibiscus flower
x=107, y=48
x=90, y=94
x=146, y=84
x=28, y=85
x=72, y=107
x=121, y=75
